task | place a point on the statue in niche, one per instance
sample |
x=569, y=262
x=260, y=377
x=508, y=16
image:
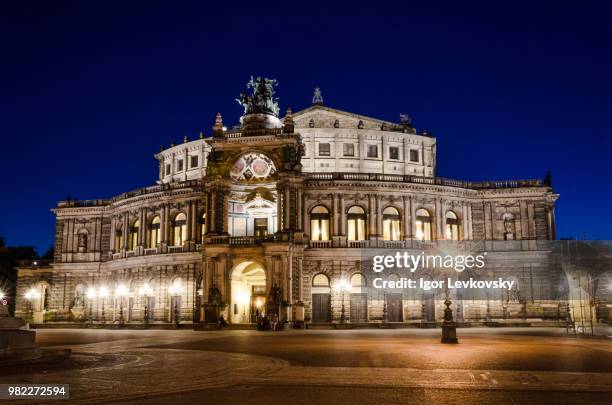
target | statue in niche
x=214, y=295
x=275, y=295
x=82, y=242
x=508, y=227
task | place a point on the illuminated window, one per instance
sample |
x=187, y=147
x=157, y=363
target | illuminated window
x=320, y=280
x=391, y=224
x=202, y=227
x=358, y=280
x=133, y=237
x=180, y=229
x=261, y=227
x=452, y=226
x=319, y=223
x=423, y=225
x=356, y=218
x=154, y=233
x=324, y=149
x=348, y=149
x=118, y=239
x=394, y=153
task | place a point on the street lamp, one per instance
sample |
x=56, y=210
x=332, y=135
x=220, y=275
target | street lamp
x=103, y=293
x=30, y=296
x=120, y=292
x=146, y=291
x=90, y=294
x=175, y=290
x=342, y=286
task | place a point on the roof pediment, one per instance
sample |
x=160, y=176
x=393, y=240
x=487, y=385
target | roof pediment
x=326, y=117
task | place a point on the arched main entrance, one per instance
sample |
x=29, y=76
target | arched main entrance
x=248, y=292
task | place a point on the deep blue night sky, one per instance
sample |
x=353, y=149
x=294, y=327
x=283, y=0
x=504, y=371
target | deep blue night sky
x=89, y=91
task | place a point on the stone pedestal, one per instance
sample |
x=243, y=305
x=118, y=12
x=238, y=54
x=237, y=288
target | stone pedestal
x=449, y=333
x=298, y=321
x=18, y=345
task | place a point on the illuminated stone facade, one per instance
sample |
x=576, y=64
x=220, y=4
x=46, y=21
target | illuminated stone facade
x=287, y=206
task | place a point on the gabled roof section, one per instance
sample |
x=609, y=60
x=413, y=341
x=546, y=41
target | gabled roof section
x=327, y=117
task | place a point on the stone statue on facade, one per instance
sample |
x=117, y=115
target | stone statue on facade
x=214, y=295
x=262, y=100
x=317, y=98
x=508, y=228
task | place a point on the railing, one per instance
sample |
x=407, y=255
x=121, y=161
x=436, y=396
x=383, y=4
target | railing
x=249, y=240
x=318, y=244
x=175, y=249
x=130, y=253
x=34, y=264
x=240, y=133
x=129, y=194
x=116, y=256
x=150, y=251
x=439, y=181
x=361, y=244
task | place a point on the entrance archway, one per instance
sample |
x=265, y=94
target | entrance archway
x=248, y=292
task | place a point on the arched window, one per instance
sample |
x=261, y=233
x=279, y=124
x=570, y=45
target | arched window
x=423, y=224
x=118, y=239
x=202, y=227
x=180, y=229
x=154, y=232
x=133, y=239
x=356, y=223
x=319, y=223
x=391, y=224
x=358, y=280
x=452, y=226
x=320, y=280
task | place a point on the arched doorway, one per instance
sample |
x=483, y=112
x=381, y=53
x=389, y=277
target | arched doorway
x=248, y=292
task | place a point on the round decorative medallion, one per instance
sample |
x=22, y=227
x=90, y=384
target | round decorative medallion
x=253, y=167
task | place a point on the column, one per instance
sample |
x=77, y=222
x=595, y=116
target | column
x=341, y=216
x=189, y=221
x=126, y=230
x=334, y=231
x=437, y=215
x=279, y=208
x=407, y=226
x=379, y=225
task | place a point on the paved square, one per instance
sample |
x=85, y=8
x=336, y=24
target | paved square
x=350, y=366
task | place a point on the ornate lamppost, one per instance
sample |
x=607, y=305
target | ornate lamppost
x=103, y=293
x=176, y=290
x=120, y=292
x=342, y=286
x=91, y=295
x=145, y=291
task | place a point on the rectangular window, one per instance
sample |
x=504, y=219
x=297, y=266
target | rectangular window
x=394, y=153
x=324, y=149
x=372, y=151
x=194, y=161
x=168, y=169
x=414, y=155
x=179, y=165
x=348, y=149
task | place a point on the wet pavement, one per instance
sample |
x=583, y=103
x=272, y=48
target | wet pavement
x=348, y=366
